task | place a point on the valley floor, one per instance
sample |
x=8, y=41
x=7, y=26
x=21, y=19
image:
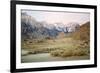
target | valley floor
x=41, y=51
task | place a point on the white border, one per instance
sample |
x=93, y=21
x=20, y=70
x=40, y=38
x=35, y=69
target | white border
x=20, y=65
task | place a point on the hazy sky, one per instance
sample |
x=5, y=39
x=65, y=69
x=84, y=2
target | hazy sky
x=59, y=17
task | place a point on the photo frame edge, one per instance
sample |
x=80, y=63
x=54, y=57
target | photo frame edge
x=13, y=38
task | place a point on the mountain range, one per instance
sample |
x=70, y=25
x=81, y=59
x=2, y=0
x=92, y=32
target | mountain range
x=31, y=28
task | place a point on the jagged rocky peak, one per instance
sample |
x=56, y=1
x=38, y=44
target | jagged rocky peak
x=73, y=26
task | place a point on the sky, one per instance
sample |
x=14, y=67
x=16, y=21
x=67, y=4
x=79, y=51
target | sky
x=58, y=17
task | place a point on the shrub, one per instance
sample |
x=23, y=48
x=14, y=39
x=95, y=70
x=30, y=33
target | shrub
x=66, y=53
x=31, y=52
x=70, y=52
x=57, y=52
x=48, y=38
x=40, y=41
x=54, y=53
x=79, y=52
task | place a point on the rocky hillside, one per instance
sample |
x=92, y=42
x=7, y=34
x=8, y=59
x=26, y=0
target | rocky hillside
x=83, y=33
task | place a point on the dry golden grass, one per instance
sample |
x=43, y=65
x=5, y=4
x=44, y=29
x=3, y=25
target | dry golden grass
x=66, y=53
x=70, y=52
x=79, y=52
